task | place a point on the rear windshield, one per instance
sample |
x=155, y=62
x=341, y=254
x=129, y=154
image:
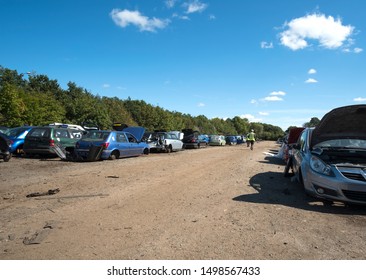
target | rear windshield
x=15, y=132
x=39, y=132
x=95, y=135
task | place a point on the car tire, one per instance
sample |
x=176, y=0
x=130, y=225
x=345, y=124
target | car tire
x=7, y=158
x=146, y=151
x=114, y=155
x=169, y=149
x=288, y=167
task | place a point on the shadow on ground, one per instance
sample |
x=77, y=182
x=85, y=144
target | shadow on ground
x=274, y=188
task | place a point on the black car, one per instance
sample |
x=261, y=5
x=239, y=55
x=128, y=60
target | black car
x=5, y=145
x=191, y=139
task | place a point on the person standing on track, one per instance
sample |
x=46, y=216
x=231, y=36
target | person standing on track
x=251, y=138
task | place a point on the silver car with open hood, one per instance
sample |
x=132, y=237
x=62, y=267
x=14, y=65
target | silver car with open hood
x=330, y=160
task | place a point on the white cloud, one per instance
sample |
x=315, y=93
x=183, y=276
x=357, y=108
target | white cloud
x=201, y=104
x=126, y=17
x=170, y=3
x=277, y=93
x=250, y=118
x=360, y=99
x=106, y=86
x=263, y=113
x=253, y=101
x=272, y=98
x=195, y=6
x=358, y=50
x=266, y=45
x=330, y=33
x=175, y=15
x=312, y=71
x=311, y=81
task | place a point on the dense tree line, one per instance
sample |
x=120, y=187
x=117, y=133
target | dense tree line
x=39, y=100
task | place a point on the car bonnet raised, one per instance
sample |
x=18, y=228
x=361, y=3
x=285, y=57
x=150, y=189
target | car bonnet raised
x=341, y=123
x=136, y=131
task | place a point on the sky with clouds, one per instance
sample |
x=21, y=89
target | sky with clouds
x=278, y=62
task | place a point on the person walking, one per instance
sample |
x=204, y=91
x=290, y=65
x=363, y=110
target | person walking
x=251, y=138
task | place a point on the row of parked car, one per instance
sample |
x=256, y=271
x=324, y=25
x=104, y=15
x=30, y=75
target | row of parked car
x=78, y=143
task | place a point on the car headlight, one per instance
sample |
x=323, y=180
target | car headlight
x=320, y=166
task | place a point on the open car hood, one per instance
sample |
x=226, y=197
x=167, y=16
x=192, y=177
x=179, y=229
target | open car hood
x=136, y=131
x=347, y=122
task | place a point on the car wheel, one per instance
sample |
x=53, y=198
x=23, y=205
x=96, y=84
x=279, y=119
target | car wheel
x=169, y=149
x=146, y=151
x=288, y=167
x=7, y=157
x=114, y=155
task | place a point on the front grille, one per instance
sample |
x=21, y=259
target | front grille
x=355, y=195
x=354, y=176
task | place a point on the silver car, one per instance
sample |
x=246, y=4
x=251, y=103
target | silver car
x=330, y=160
x=164, y=141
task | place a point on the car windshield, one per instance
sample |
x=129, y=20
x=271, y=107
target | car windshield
x=95, y=135
x=342, y=143
x=15, y=132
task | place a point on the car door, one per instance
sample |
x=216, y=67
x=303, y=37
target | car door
x=62, y=136
x=123, y=145
x=299, y=152
x=134, y=146
x=175, y=142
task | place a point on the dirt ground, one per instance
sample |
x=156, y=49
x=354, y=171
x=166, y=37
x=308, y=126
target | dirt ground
x=212, y=203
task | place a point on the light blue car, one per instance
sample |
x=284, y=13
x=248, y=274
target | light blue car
x=105, y=144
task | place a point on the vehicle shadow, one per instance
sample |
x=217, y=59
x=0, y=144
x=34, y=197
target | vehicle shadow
x=274, y=188
x=273, y=160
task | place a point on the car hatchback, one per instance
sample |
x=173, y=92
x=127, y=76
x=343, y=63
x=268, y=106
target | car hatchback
x=114, y=144
x=43, y=140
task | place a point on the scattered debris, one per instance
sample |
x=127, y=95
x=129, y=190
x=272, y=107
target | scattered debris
x=39, y=236
x=8, y=196
x=59, y=150
x=74, y=196
x=49, y=192
x=112, y=176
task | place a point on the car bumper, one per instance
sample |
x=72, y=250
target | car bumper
x=337, y=188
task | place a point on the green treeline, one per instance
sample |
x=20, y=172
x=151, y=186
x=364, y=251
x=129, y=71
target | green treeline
x=39, y=100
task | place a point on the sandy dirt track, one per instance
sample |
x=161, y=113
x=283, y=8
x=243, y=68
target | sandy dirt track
x=211, y=203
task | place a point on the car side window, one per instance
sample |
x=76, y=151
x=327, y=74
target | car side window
x=131, y=138
x=121, y=138
x=76, y=134
x=58, y=133
x=302, y=140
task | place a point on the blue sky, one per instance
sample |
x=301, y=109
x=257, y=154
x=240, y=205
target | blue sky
x=277, y=62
